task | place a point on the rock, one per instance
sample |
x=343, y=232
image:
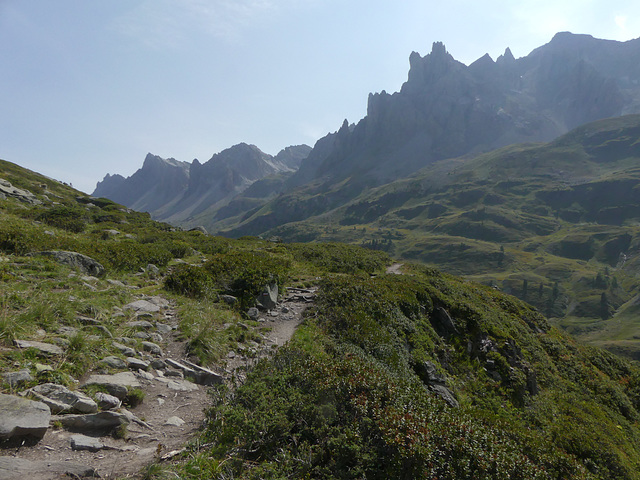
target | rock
x=115, y=283
x=159, y=301
x=428, y=373
x=107, y=402
x=229, y=299
x=444, y=393
x=269, y=296
x=137, y=364
x=141, y=324
x=67, y=331
x=20, y=417
x=204, y=376
x=158, y=364
x=17, y=379
x=145, y=375
x=178, y=385
x=76, y=260
x=96, y=421
x=163, y=328
x=174, y=421
x=14, y=468
x=128, y=351
x=174, y=373
x=45, y=348
x=142, y=306
x=116, y=385
x=61, y=399
x=199, y=228
x=253, y=313
x=152, y=270
x=40, y=368
x=152, y=347
x=111, y=232
x=25, y=196
x=443, y=324
x=87, y=320
x=82, y=442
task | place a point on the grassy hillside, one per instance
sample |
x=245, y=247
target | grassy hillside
x=420, y=375
x=554, y=224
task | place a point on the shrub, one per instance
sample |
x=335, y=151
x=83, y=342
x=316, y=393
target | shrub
x=72, y=219
x=190, y=281
x=245, y=273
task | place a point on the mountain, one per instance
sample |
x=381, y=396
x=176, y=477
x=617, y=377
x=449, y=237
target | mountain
x=446, y=109
x=412, y=374
x=179, y=192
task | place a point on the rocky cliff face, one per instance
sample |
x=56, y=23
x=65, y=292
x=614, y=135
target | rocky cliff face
x=175, y=191
x=447, y=109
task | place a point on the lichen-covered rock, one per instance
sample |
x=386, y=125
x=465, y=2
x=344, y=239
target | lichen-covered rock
x=76, y=260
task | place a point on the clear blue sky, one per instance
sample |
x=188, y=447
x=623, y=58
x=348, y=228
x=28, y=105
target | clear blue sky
x=88, y=87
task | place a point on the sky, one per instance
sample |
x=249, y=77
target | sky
x=90, y=87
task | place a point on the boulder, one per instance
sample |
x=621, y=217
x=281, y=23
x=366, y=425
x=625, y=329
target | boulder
x=253, y=313
x=76, y=260
x=17, y=379
x=128, y=351
x=60, y=399
x=25, y=196
x=229, y=299
x=268, y=299
x=141, y=324
x=107, y=402
x=20, y=417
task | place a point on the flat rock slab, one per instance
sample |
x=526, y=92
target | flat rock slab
x=116, y=385
x=92, y=422
x=21, y=417
x=45, y=348
x=12, y=468
x=142, y=306
x=16, y=379
x=61, y=399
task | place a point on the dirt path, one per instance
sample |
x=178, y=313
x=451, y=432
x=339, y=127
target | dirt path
x=158, y=434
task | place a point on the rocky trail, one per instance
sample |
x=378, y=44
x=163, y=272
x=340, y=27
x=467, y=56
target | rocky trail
x=108, y=440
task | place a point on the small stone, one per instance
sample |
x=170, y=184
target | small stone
x=140, y=324
x=231, y=354
x=134, y=363
x=174, y=421
x=17, y=379
x=82, y=442
x=163, y=328
x=285, y=309
x=253, y=313
x=107, y=402
x=158, y=364
x=152, y=347
x=128, y=351
x=142, y=306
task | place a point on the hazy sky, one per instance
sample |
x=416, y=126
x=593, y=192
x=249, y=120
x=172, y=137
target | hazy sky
x=88, y=87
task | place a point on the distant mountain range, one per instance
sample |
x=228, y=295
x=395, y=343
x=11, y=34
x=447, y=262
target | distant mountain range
x=177, y=192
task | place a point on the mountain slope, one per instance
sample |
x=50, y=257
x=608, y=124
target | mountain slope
x=419, y=375
x=447, y=110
